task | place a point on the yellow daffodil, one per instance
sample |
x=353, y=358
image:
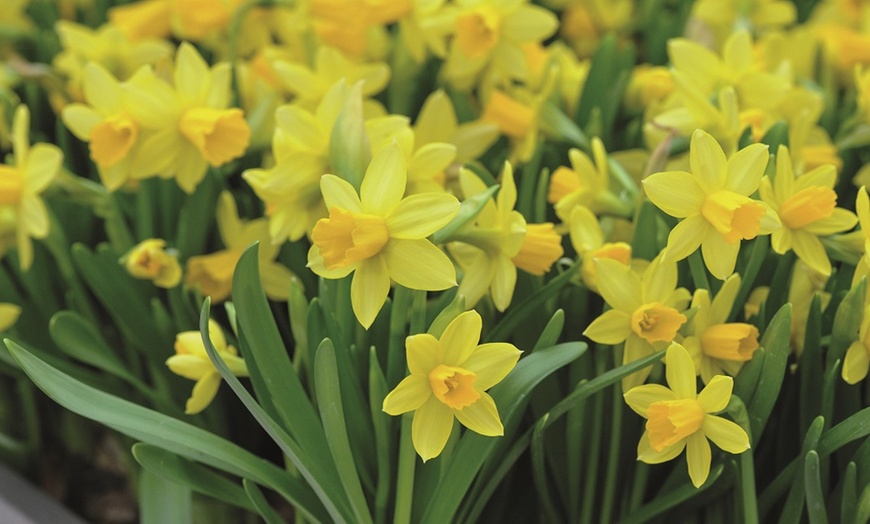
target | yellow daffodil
x=649, y=85
x=645, y=311
x=862, y=206
x=713, y=201
x=489, y=34
x=722, y=16
x=187, y=19
x=213, y=273
x=109, y=47
x=449, y=378
x=541, y=247
x=516, y=116
x=437, y=122
x=150, y=260
x=857, y=361
x=23, y=214
x=807, y=208
x=108, y=127
x=189, y=127
x=191, y=361
x=588, y=241
x=719, y=347
x=678, y=417
x=9, y=314
x=379, y=236
x=585, y=22
x=585, y=184
x=427, y=27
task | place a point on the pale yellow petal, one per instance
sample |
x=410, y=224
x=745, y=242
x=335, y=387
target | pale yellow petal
x=659, y=280
x=698, y=456
x=612, y=327
x=418, y=216
x=477, y=270
x=726, y=434
x=686, y=237
x=680, y=371
x=481, y=417
x=339, y=193
x=384, y=182
x=529, y=23
x=856, y=364
x=33, y=216
x=707, y=161
x=840, y=220
x=191, y=75
x=650, y=456
x=421, y=351
x=315, y=263
x=419, y=264
x=719, y=256
x=80, y=119
x=411, y=393
x=504, y=280
x=369, y=289
x=101, y=89
x=677, y=193
x=640, y=397
x=460, y=339
x=745, y=169
x=203, y=393
x=811, y=251
x=433, y=422
x=43, y=164
x=716, y=394
x=492, y=362
x=9, y=314
x=618, y=284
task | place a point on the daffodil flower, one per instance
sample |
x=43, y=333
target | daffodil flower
x=191, y=361
x=9, y=314
x=584, y=184
x=714, y=203
x=150, y=260
x=678, y=417
x=719, y=347
x=588, y=241
x=380, y=236
x=857, y=361
x=645, y=311
x=437, y=122
x=449, y=378
x=23, y=214
x=807, y=208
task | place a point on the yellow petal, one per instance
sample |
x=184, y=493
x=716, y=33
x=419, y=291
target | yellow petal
x=529, y=24
x=418, y=216
x=681, y=372
x=707, y=161
x=203, y=393
x=618, y=284
x=43, y=165
x=190, y=366
x=719, y=256
x=639, y=398
x=686, y=237
x=276, y=278
x=101, y=89
x=726, y=434
x=716, y=394
x=437, y=119
x=612, y=327
x=419, y=264
x=369, y=289
x=478, y=272
x=491, y=363
x=691, y=57
x=635, y=348
x=433, y=422
x=191, y=74
x=504, y=280
x=745, y=169
x=645, y=453
x=460, y=339
x=300, y=129
x=421, y=351
x=810, y=250
x=384, y=182
x=677, y=193
x=856, y=363
x=339, y=193
x=8, y=315
x=80, y=119
x=481, y=417
x=33, y=217
x=840, y=220
x=409, y=395
x=698, y=456
x=659, y=280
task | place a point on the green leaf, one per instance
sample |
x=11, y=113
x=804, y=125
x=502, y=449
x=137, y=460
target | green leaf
x=672, y=498
x=468, y=211
x=332, y=413
x=539, y=472
x=776, y=340
x=552, y=331
x=383, y=438
x=849, y=505
x=183, y=472
x=473, y=449
x=644, y=244
x=161, y=500
x=775, y=136
x=847, y=320
x=794, y=504
x=165, y=432
x=78, y=338
x=811, y=365
x=322, y=477
x=813, y=482
x=447, y=315
x=260, y=504
x=604, y=86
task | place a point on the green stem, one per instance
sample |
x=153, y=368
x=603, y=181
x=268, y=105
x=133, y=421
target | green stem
x=402, y=299
x=613, y=454
x=589, y=490
x=58, y=246
x=405, y=477
x=638, y=486
x=699, y=273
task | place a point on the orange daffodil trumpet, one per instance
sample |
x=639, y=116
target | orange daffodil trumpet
x=645, y=311
x=714, y=203
x=678, y=417
x=380, y=236
x=449, y=378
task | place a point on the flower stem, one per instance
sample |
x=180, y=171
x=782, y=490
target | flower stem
x=699, y=274
x=613, y=453
x=405, y=476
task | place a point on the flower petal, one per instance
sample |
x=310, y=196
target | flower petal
x=810, y=250
x=43, y=164
x=203, y=393
x=659, y=280
x=650, y=456
x=504, y=280
x=618, y=284
x=635, y=348
x=460, y=339
x=698, y=456
x=419, y=264
x=745, y=169
x=410, y=394
x=418, y=216
x=686, y=237
x=639, y=398
x=726, y=434
x=422, y=353
x=369, y=289
x=707, y=161
x=677, y=193
x=856, y=363
x=481, y=417
x=719, y=256
x=433, y=422
x=337, y=192
x=384, y=182
x=190, y=366
x=491, y=363
x=612, y=327
x=680, y=371
x=839, y=221
x=716, y=394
